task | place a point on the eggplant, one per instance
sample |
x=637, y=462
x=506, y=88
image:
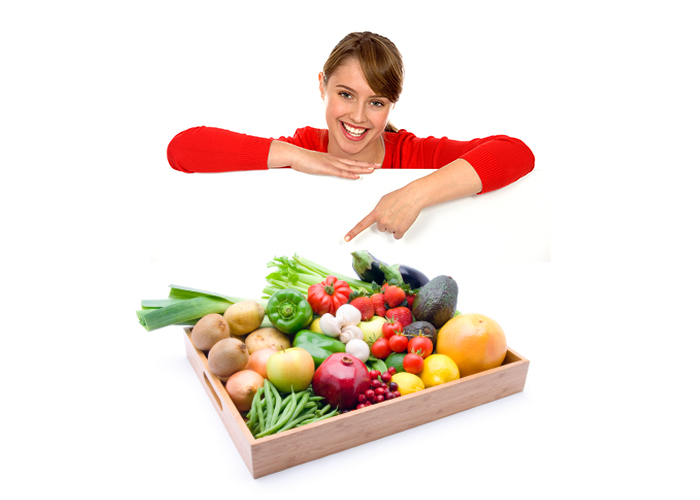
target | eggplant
x=369, y=269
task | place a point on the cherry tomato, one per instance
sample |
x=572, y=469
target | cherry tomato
x=422, y=344
x=413, y=363
x=380, y=349
x=398, y=343
x=391, y=328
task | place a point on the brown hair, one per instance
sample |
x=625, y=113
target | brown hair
x=379, y=59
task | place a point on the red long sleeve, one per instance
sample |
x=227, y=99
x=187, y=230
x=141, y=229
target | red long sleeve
x=499, y=160
x=210, y=149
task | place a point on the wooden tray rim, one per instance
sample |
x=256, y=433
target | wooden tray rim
x=513, y=360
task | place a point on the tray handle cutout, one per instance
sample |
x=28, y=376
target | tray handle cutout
x=211, y=389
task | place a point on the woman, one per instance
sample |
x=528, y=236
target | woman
x=360, y=84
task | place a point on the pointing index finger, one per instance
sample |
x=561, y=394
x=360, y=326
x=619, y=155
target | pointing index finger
x=361, y=226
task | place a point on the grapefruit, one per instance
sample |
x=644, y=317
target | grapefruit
x=474, y=341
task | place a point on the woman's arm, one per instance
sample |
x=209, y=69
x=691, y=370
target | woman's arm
x=211, y=149
x=398, y=210
x=481, y=165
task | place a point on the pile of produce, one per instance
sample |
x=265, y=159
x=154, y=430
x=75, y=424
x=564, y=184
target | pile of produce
x=320, y=343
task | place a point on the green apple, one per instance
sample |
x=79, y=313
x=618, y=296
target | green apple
x=291, y=368
x=372, y=329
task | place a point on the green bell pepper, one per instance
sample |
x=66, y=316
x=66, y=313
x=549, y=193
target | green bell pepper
x=320, y=346
x=289, y=311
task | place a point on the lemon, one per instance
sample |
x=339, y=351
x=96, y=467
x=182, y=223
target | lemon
x=438, y=369
x=407, y=382
x=315, y=326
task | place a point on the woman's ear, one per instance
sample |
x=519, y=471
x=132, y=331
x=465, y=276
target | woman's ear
x=321, y=86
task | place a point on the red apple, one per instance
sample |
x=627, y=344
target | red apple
x=291, y=368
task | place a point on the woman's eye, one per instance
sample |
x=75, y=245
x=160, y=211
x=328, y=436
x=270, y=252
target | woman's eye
x=378, y=104
x=345, y=95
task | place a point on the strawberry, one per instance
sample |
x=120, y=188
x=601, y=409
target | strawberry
x=401, y=314
x=410, y=297
x=394, y=296
x=379, y=303
x=364, y=304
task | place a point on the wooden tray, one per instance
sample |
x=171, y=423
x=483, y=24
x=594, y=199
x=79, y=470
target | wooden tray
x=296, y=446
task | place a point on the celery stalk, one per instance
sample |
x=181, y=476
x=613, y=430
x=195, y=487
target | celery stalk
x=300, y=273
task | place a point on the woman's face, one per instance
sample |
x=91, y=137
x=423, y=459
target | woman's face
x=356, y=117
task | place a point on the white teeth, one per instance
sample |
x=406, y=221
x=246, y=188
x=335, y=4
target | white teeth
x=357, y=132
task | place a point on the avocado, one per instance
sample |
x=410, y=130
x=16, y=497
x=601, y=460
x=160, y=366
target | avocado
x=436, y=301
x=420, y=328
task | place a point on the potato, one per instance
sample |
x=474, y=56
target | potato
x=266, y=337
x=244, y=317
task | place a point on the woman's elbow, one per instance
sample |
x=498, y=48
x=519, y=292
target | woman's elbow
x=177, y=151
x=522, y=157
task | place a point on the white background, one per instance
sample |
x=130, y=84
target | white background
x=605, y=93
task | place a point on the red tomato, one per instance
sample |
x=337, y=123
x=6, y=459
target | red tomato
x=380, y=349
x=391, y=328
x=413, y=363
x=422, y=344
x=398, y=343
x=328, y=295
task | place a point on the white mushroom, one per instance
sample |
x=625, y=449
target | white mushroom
x=348, y=314
x=329, y=325
x=351, y=332
x=358, y=348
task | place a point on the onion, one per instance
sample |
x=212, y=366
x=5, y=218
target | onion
x=258, y=360
x=242, y=386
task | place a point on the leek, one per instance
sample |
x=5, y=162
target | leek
x=184, y=307
x=181, y=311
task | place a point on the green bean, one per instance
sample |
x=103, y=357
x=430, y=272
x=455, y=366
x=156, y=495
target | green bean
x=259, y=410
x=297, y=411
x=301, y=404
x=253, y=414
x=327, y=415
x=315, y=417
x=285, y=401
x=278, y=404
x=324, y=409
x=269, y=402
x=291, y=407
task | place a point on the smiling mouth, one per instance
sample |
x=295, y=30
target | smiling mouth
x=354, y=132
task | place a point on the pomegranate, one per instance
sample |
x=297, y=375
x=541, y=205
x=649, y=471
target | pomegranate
x=340, y=379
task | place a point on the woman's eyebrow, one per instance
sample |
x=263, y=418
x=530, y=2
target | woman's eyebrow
x=340, y=85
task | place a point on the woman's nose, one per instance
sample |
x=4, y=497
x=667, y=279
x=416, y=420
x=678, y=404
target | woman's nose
x=358, y=113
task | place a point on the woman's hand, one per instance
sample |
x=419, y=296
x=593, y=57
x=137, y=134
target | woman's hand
x=395, y=213
x=314, y=162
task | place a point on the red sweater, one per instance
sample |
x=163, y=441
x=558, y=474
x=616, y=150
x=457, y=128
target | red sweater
x=498, y=160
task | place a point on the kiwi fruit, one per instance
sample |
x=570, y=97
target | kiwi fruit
x=227, y=357
x=209, y=330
